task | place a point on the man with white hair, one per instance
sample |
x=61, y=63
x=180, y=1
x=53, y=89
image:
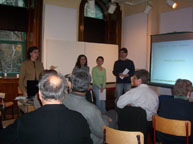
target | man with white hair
x=53, y=123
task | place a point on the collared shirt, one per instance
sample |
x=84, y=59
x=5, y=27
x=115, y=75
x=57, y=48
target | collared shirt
x=181, y=97
x=142, y=96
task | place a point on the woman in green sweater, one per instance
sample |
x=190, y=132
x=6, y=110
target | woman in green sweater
x=99, y=82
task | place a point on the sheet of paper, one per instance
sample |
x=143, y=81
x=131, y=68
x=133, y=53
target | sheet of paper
x=124, y=72
x=102, y=95
x=21, y=98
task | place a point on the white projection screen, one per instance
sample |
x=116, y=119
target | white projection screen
x=63, y=54
x=171, y=58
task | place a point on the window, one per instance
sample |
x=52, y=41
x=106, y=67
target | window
x=12, y=46
x=17, y=3
x=96, y=13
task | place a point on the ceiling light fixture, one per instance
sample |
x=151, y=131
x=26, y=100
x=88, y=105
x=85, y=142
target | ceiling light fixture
x=147, y=9
x=112, y=8
x=172, y=3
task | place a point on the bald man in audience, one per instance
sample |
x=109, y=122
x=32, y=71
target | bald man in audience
x=53, y=123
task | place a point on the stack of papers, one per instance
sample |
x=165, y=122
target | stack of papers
x=124, y=72
x=21, y=98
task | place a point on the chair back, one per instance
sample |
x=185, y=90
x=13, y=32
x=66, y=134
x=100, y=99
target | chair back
x=171, y=127
x=112, y=136
x=132, y=119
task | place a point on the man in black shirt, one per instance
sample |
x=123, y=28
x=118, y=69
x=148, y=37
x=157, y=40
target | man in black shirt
x=123, y=70
x=53, y=123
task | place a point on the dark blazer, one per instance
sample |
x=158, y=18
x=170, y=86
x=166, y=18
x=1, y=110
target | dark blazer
x=175, y=108
x=132, y=119
x=50, y=124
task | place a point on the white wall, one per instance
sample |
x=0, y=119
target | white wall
x=177, y=20
x=60, y=24
x=135, y=38
x=63, y=54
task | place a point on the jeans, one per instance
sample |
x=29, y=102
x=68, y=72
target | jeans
x=99, y=103
x=122, y=88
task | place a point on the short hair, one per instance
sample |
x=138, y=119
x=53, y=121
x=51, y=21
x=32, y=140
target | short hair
x=78, y=61
x=182, y=87
x=80, y=81
x=46, y=71
x=100, y=57
x=143, y=75
x=124, y=50
x=50, y=89
x=31, y=49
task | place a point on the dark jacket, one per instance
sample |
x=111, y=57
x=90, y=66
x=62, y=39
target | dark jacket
x=132, y=119
x=175, y=108
x=50, y=124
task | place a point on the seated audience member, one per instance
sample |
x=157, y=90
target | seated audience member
x=76, y=101
x=141, y=96
x=53, y=123
x=36, y=100
x=177, y=107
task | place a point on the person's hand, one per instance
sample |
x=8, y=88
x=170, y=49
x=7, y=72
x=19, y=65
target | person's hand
x=121, y=74
x=24, y=93
x=53, y=67
x=126, y=75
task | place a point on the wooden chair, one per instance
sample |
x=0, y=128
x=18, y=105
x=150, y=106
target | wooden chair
x=112, y=136
x=4, y=105
x=171, y=127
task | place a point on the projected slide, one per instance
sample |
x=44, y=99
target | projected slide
x=171, y=60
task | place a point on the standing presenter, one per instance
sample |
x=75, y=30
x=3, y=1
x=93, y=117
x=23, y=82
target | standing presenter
x=123, y=70
x=30, y=70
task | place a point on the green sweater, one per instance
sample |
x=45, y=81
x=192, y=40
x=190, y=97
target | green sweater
x=99, y=77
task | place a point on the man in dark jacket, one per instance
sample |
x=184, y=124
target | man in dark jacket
x=53, y=123
x=123, y=70
x=177, y=107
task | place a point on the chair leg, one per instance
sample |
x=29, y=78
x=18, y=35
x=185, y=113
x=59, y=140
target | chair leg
x=12, y=112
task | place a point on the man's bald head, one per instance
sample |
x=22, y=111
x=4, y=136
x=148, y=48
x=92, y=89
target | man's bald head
x=52, y=86
x=54, y=81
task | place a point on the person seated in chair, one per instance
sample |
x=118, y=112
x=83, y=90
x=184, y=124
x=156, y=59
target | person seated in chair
x=53, y=123
x=177, y=107
x=141, y=96
x=76, y=101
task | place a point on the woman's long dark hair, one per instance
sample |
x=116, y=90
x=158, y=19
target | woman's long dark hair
x=78, y=61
